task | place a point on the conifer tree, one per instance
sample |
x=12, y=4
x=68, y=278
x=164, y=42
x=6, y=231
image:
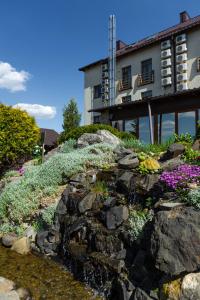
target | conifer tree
x=71, y=116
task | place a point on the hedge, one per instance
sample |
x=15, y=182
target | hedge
x=77, y=132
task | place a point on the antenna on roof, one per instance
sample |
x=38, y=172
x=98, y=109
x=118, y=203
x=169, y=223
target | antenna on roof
x=112, y=57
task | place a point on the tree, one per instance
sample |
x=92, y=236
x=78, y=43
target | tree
x=18, y=134
x=71, y=116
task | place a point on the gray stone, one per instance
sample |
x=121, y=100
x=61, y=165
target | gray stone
x=170, y=205
x=171, y=164
x=6, y=285
x=9, y=239
x=12, y=295
x=141, y=295
x=130, y=161
x=87, y=202
x=196, y=145
x=190, y=288
x=116, y=216
x=175, y=149
x=145, y=183
x=108, y=137
x=102, y=136
x=124, y=182
x=175, y=241
x=30, y=233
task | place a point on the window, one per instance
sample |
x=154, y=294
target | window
x=144, y=130
x=125, y=83
x=147, y=94
x=166, y=126
x=130, y=126
x=96, y=119
x=97, y=91
x=187, y=123
x=126, y=99
x=147, y=74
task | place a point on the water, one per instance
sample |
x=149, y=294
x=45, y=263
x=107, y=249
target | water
x=43, y=277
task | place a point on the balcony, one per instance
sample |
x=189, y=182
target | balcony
x=125, y=85
x=145, y=78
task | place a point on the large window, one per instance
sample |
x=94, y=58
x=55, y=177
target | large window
x=130, y=126
x=126, y=79
x=187, y=123
x=166, y=126
x=97, y=91
x=144, y=130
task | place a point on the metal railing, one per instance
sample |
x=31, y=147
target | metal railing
x=145, y=78
x=125, y=85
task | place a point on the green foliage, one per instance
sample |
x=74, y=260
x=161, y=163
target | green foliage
x=71, y=116
x=139, y=146
x=193, y=198
x=198, y=131
x=10, y=174
x=76, y=133
x=100, y=188
x=137, y=221
x=191, y=156
x=184, y=138
x=18, y=134
x=68, y=146
x=20, y=200
x=48, y=214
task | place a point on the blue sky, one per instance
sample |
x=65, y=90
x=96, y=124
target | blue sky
x=44, y=42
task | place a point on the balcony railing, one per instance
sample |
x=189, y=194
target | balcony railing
x=145, y=78
x=125, y=85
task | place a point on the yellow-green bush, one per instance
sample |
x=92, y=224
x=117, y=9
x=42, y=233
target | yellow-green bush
x=171, y=290
x=149, y=165
x=18, y=134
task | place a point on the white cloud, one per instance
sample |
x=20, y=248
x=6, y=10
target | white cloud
x=37, y=110
x=11, y=79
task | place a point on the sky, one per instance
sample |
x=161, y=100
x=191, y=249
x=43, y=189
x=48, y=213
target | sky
x=44, y=42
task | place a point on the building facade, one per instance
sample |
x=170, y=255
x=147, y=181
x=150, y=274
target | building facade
x=157, y=83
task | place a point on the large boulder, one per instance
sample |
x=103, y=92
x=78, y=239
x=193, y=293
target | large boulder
x=87, y=202
x=9, y=239
x=130, y=161
x=21, y=246
x=175, y=241
x=116, y=216
x=102, y=136
x=190, y=288
x=173, y=151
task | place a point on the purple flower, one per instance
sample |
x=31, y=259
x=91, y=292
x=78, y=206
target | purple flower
x=21, y=171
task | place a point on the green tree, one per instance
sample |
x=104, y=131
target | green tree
x=18, y=134
x=71, y=116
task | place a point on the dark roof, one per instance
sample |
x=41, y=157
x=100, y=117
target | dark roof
x=51, y=136
x=191, y=92
x=162, y=35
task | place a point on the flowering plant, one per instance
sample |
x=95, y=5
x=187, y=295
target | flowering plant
x=179, y=178
x=21, y=171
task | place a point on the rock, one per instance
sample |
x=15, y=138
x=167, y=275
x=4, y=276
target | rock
x=110, y=202
x=12, y=295
x=196, y=145
x=145, y=183
x=141, y=295
x=171, y=164
x=121, y=152
x=24, y=294
x=173, y=151
x=102, y=136
x=120, y=291
x=190, y=288
x=170, y=205
x=86, y=202
x=130, y=161
x=124, y=182
x=6, y=285
x=30, y=233
x=175, y=241
x=9, y=239
x=21, y=246
x=116, y=216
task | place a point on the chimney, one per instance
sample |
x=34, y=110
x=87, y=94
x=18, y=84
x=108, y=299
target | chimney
x=120, y=45
x=184, y=16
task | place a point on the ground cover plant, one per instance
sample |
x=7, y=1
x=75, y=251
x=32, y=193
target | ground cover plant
x=20, y=200
x=137, y=221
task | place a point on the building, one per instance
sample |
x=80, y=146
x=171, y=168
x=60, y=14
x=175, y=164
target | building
x=157, y=83
x=49, y=138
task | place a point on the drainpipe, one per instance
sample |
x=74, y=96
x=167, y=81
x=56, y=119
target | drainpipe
x=150, y=123
x=174, y=63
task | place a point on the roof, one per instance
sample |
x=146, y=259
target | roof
x=162, y=35
x=191, y=92
x=51, y=136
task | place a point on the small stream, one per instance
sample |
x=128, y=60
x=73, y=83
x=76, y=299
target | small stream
x=43, y=277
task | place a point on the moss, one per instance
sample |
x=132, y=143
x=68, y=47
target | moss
x=171, y=290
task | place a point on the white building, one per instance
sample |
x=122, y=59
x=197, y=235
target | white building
x=160, y=73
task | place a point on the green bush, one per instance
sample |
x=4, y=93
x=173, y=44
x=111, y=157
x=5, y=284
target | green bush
x=18, y=134
x=68, y=146
x=184, y=138
x=20, y=200
x=191, y=156
x=77, y=132
x=193, y=198
x=137, y=221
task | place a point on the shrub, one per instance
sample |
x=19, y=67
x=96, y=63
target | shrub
x=184, y=138
x=149, y=165
x=20, y=200
x=18, y=134
x=193, y=198
x=48, y=214
x=179, y=178
x=68, y=146
x=137, y=221
x=77, y=132
x=191, y=156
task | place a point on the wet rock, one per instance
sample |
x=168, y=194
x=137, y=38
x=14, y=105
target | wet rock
x=116, y=216
x=190, y=288
x=21, y=246
x=120, y=291
x=61, y=208
x=6, y=285
x=87, y=202
x=175, y=241
x=9, y=239
x=129, y=162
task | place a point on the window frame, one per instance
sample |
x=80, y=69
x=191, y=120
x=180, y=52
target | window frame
x=97, y=91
